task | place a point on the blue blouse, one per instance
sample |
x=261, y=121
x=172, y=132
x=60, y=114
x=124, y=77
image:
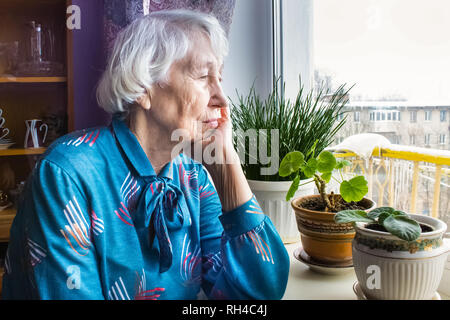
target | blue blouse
x=96, y=222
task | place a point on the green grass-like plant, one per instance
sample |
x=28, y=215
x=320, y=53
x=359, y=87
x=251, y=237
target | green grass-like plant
x=311, y=118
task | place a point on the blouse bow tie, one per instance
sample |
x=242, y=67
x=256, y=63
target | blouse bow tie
x=162, y=207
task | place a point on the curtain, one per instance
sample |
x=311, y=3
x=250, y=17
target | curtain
x=119, y=13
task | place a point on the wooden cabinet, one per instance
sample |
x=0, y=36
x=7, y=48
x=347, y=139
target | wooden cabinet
x=46, y=95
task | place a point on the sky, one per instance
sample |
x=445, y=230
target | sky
x=385, y=47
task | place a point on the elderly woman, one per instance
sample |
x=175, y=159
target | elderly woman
x=115, y=213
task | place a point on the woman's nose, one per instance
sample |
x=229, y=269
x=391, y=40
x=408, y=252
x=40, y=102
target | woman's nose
x=218, y=99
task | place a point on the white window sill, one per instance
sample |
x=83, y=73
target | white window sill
x=304, y=284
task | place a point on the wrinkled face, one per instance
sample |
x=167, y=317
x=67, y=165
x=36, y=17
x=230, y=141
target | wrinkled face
x=192, y=97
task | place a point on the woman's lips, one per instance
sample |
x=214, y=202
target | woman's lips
x=213, y=123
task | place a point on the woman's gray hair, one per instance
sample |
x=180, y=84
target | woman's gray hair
x=144, y=51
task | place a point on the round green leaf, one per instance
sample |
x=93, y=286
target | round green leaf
x=309, y=168
x=342, y=163
x=347, y=216
x=293, y=188
x=326, y=176
x=291, y=163
x=326, y=162
x=354, y=189
x=402, y=227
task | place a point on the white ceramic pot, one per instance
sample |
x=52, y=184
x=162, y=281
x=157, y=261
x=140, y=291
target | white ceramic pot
x=444, y=286
x=389, y=268
x=271, y=196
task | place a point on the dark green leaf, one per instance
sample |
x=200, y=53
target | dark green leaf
x=403, y=227
x=293, y=189
x=291, y=163
x=376, y=212
x=347, y=216
x=354, y=189
x=327, y=162
x=383, y=212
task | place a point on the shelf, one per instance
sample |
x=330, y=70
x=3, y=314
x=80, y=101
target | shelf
x=12, y=79
x=6, y=219
x=7, y=213
x=22, y=152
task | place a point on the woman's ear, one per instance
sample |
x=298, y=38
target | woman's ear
x=145, y=101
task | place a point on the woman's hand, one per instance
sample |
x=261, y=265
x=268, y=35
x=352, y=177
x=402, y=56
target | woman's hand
x=217, y=144
x=224, y=165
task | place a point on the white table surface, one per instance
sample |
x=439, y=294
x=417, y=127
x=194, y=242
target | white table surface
x=305, y=284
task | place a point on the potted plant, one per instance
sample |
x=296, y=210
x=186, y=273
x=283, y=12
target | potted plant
x=266, y=130
x=396, y=256
x=324, y=241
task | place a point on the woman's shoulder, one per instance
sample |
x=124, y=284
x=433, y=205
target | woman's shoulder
x=79, y=148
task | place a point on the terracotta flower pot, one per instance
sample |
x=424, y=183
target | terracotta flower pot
x=322, y=239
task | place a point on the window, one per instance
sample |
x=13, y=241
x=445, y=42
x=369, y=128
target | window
x=356, y=116
x=400, y=71
x=396, y=139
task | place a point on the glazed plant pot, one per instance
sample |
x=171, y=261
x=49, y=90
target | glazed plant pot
x=322, y=239
x=271, y=196
x=389, y=268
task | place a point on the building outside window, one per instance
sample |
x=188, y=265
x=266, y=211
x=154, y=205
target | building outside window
x=443, y=115
x=356, y=116
x=412, y=139
x=413, y=116
x=428, y=115
x=427, y=139
x=442, y=138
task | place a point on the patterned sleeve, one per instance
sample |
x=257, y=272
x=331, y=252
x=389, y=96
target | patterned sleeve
x=243, y=256
x=50, y=254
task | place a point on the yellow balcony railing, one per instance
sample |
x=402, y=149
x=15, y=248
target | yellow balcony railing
x=401, y=176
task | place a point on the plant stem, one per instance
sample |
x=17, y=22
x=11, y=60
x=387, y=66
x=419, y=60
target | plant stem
x=320, y=184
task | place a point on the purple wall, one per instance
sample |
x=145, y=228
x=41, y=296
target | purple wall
x=88, y=63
